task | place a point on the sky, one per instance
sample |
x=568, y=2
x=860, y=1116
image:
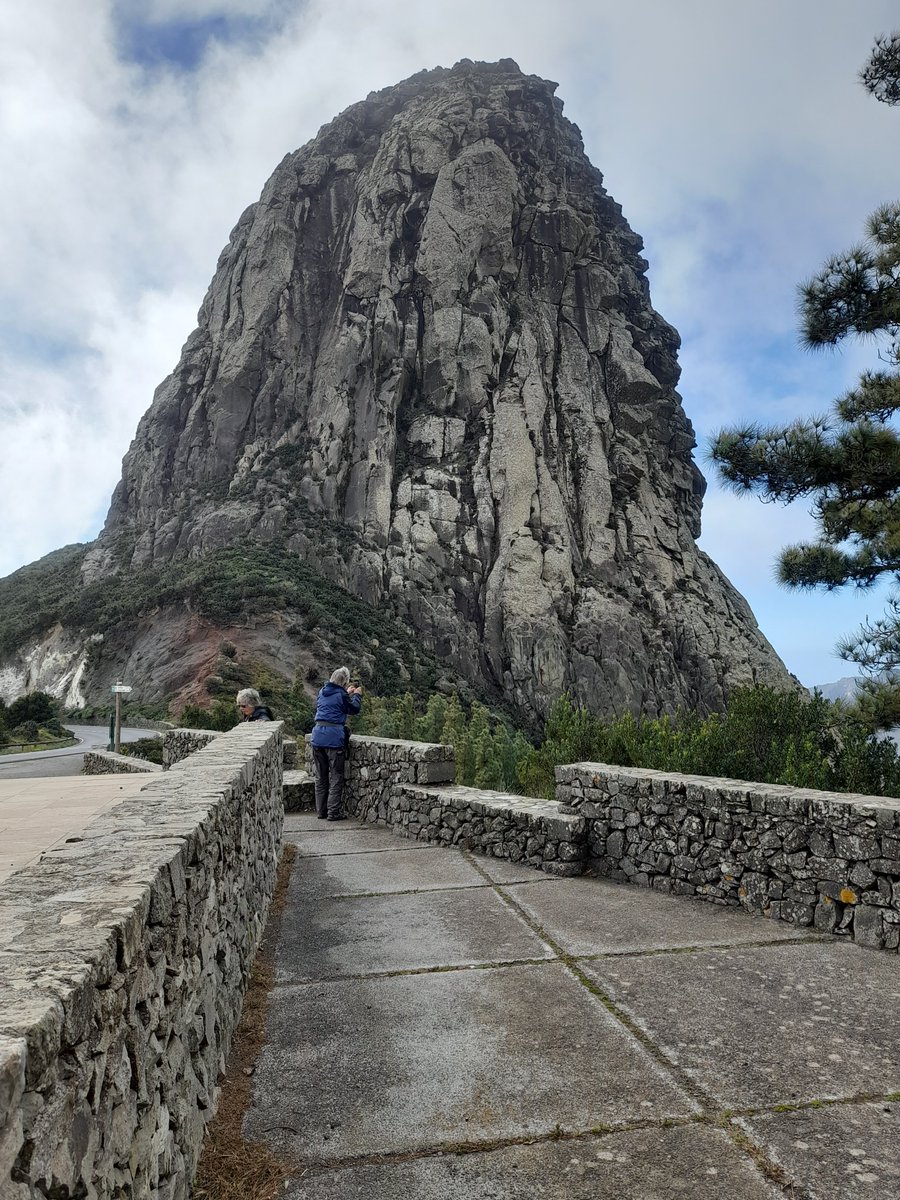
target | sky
x=133, y=133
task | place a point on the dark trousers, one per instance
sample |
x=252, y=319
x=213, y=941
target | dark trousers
x=329, y=765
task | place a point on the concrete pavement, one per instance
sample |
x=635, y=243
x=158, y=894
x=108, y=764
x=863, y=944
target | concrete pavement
x=445, y=1026
x=44, y=798
x=38, y=814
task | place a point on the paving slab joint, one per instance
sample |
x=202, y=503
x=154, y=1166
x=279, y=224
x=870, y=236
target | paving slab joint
x=766, y=1166
x=570, y=961
x=311, y=1166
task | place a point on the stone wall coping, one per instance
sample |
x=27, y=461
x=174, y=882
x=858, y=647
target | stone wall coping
x=739, y=787
x=418, y=751
x=66, y=931
x=496, y=802
x=122, y=762
x=124, y=847
x=179, y=744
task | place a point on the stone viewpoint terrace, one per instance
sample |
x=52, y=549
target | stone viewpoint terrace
x=474, y=1008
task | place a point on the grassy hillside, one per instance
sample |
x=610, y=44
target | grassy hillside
x=33, y=598
x=227, y=587
x=230, y=586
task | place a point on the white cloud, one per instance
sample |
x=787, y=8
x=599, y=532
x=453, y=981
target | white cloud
x=737, y=141
x=66, y=427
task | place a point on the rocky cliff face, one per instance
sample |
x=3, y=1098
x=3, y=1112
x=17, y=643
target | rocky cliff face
x=428, y=364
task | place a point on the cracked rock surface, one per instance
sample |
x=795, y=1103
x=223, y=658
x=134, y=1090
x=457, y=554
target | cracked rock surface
x=428, y=364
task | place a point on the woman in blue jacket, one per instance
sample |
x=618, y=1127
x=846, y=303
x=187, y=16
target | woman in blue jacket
x=336, y=700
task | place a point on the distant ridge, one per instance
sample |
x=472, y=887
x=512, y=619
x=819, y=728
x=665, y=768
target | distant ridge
x=841, y=689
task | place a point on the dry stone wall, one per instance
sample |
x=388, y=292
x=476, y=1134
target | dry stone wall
x=826, y=860
x=105, y=762
x=408, y=787
x=518, y=828
x=179, y=744
x=123, y=960
x=821, y=859
x=375, y=766
x=299, y=791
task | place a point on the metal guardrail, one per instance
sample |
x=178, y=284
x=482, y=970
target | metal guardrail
x=26, y=747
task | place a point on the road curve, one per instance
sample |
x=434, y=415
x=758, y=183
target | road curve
x=44, y=764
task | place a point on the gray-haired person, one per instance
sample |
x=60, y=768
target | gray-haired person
x=336, y=700
x=252, y=708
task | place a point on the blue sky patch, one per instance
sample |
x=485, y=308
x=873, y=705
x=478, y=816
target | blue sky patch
x=183, y=43
x=18, y=341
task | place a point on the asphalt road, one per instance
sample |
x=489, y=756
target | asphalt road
x=46, y=764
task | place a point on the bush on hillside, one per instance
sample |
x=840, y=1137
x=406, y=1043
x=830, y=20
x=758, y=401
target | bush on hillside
x=35, y=706
x=32, y=598
x=32, y=718
x=148, y=748
x=766, y=736
x=221, y=715
x=25, y=731
x=229, y=586
x=286, y=700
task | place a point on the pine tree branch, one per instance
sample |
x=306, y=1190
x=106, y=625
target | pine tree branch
x=849, y=461
x=881, y=74
x=875, y=647
x=876, y=397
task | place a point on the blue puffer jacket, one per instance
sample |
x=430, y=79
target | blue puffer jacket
x=333, y=705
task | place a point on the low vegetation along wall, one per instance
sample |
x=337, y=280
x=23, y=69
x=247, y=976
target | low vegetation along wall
x=125, y=956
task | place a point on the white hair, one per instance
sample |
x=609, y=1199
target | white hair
x=249, y=696
x=341, y=677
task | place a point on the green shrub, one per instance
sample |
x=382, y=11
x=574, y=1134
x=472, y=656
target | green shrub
x=766, y=736
x=35, y=706
x=488, y=751
x=148, y=748
x=27, y=731
x=221, y=715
